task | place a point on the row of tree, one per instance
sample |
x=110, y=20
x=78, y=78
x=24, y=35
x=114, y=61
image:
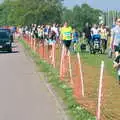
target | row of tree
x=25, y=12
x=80, y=15
x=15, y=12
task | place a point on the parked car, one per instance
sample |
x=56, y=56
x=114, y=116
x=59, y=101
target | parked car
x=9, y=32
x=5, y=41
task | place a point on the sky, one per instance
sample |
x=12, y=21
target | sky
x=100, y=4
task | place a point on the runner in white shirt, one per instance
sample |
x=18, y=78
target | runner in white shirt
x=55, y=29
x=94, y=30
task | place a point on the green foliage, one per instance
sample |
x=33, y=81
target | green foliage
x=25, y=12
x=80, y=15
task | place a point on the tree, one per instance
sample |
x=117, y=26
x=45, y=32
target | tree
x=25, y=12
x=80, y=15
x=15, y=12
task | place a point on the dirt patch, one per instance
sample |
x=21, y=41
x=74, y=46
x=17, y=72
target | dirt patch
x=110, y=100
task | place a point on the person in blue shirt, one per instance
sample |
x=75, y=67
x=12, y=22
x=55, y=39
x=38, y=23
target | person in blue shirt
x=75, y=38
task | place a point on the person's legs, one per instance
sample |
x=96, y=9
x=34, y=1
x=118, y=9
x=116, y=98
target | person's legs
x=116, y=49
x=105, y=44
x=89, y=40
x=67, y=44
x=50, y=42
x=116, y=53
x=74, y=46
x=119, y=79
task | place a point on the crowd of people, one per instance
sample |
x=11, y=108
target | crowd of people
x=108, y=35
x=68, y=35
x=56, y=33
x=52, y=34
x=99, y=32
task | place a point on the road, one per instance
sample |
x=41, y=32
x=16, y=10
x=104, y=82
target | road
x=23, y=96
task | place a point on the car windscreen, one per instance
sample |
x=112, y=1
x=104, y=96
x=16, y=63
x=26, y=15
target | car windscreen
x=4, y=35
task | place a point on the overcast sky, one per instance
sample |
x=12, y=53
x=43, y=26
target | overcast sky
x=101, y=4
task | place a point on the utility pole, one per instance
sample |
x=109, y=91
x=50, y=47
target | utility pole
x=108, y=17
x=116, y=14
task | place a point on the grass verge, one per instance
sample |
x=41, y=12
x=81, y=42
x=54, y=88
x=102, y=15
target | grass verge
x=75, y=111
x=95, y=61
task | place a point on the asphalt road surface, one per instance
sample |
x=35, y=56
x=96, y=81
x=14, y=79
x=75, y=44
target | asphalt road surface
x=23, y=96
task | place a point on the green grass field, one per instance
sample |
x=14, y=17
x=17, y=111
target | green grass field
x=95, y=60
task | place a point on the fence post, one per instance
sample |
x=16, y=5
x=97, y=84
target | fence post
x=70, y=68
x=61, y=62
x=100, y=91
x=53, y=55
x=31, y=42
x=81, y=74
x=34, y=45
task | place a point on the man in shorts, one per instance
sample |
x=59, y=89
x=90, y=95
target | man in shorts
x=66, y=36
x=115, y=37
